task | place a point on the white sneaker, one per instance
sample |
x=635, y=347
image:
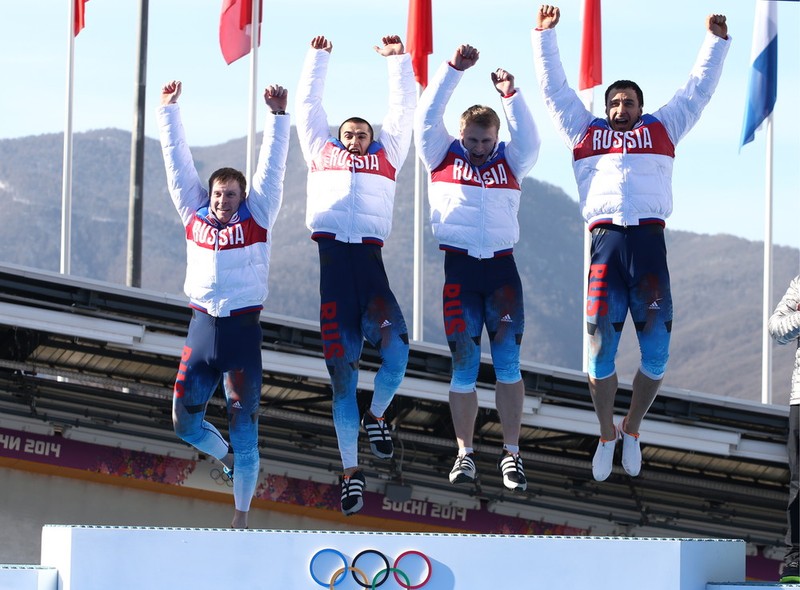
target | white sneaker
x=513, y=473
x=631, y=452
x=603, y=459
x=463, y=470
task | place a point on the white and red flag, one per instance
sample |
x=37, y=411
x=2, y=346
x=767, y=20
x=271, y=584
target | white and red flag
x=591, y=64
x=236, y=28
x=419, y=38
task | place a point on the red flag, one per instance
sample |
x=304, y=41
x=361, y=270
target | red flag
x=79, y=20
x=591, y=72
x=420, y=38
x=236, y=28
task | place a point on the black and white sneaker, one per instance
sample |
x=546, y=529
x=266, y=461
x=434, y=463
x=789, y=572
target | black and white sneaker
x=510, y=465
x=380, y=439
x=353, y=492
x=463, y=470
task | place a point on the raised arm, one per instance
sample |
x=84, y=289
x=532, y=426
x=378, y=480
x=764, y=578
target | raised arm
x=396, y=129
x=503, y=82
x=523, y=149
x=431, y=137
x=568, y=113
x=276, y=97
x=547, y=17
x=464, y=57
x=170, y=92
x=266, y=192
x=683, y=110
x=187, y=191
x=784, y=323
x=717, y=24
x=391, y=45
x=312, y=121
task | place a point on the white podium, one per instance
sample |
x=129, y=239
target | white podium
x=128, y=558
x=28, y=577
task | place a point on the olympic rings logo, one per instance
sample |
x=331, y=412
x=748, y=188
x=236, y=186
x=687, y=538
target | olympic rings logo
x=221, y=478
x=382, y=570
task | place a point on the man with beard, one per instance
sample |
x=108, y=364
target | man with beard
x=623, y=166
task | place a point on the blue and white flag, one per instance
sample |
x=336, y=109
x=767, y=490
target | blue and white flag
x=763, y=87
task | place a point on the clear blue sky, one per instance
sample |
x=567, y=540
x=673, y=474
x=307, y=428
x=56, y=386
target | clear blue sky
x=717, y=188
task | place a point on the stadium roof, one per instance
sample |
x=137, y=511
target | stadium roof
x=95, y=361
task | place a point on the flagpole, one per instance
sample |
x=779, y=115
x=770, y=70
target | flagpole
x=255, y=33
x=136, y=190
x=766, y=340
x=66, y=175
x=419, y=43
x=588, y=100
x=590, y=75
x=419, y=224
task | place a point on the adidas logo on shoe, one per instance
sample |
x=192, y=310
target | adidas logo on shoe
x=353, y=492
x=380, y=439
x=463, y=470
x=513, y=473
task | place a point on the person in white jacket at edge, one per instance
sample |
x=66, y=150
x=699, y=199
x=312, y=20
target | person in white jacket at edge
x=474, y=195
x=784, y=327
x=227, y=251
x=623, y=167
x=351, y=186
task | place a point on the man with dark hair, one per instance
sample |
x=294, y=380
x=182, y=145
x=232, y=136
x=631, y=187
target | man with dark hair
x=621, y=85
x=351, y=187
x=227, y=251
x=474, y=194
x=784, y=327
x=623, y=166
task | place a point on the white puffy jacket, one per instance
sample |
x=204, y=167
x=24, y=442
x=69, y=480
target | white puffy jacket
x=226, y=267
x=625, y=177
x=784, y=326
x=473, y=210
x=351, y=198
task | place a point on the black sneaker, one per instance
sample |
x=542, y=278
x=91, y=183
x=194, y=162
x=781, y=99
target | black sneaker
x=790, y=574
x=510, y=465
x=380, y=439
x=463, y=470
x=353, y=492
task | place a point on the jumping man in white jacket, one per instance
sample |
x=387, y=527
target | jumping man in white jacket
x=351, y=186
x=623, y=167
x=474, y=194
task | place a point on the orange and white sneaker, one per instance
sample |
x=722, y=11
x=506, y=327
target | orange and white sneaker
x=631, y=452
x=603, y=459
